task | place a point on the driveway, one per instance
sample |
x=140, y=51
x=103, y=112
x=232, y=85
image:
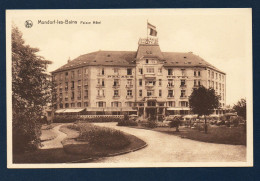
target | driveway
x=170, y=148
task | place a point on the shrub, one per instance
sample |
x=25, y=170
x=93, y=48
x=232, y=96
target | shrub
x=151, y=124
x=126, y=117
x=237, y=120
x=100, y=136
x=127, y=123
x=74, y=118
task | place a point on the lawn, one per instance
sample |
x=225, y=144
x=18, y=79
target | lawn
x=216, y=134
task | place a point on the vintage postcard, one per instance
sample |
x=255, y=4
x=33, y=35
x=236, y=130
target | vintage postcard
x=129, y=88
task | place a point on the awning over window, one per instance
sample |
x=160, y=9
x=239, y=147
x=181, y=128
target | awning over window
x=69, y=110
x=178, y=108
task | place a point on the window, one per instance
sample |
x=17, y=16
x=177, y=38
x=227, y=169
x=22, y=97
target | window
x=103, y=82
x=66, y=86
x=115, y=104
x=72, y=74
x=160, y=93
x=85, y=71
x=140, y=93
x=219, y=86
x=183, y=72
x=195, y=82
x=208, y=73
x=208, y=83
x=212, y=75
x=129, y=81
x=60, y=77
x=101, y=104
x=61, y=105
x=79, y=73
x=170, y=82
x=183, y=93
x=141, y=71
x=115, y=70
x=72, y=105
x=182, y=82
x=216, y=76
x=171, y=103
x=79, y=94
x=159, y=70
x=169, y=71
x=140, y=82
x=223, y=78
x=219, y=76
x=116, y=82
x=160, y=82
x=129, y=71
x=129, y=92
x=195, y=73
x=150, y=70
x=85, y=104
x=170, y=93
x=86, y=94
x=72, y=95
x=72, y=84
x=212, y=84
x=116, y=93
x=147, y=61
x=67, y=105
x=198, y=82
x=103, y=71
x=198, y=73
x=150, y=83
x=183, y=104
x=79, y=83
x=149, y=93
x=79, y=104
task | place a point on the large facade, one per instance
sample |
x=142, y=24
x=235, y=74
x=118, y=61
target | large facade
x=144, y=82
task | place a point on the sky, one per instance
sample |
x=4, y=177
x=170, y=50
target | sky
x=222, y=37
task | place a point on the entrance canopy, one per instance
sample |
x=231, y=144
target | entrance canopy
x=178, y=108
x=69, y=111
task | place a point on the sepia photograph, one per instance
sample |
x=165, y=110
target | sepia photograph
x=129, y=88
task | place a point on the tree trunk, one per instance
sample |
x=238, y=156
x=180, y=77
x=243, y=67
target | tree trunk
x=205, y=126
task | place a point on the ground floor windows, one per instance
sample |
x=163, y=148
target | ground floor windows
x=183, y=104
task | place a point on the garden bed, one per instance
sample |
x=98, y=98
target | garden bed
x=95, y=141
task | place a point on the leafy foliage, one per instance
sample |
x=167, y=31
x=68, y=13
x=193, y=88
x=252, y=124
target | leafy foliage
x=175, y=123
x=30, y=92
x=203, y=101
x=240, y=108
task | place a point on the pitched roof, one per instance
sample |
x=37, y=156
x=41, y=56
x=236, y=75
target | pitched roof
x=127, y=58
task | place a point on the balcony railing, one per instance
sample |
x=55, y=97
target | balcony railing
x=129, y=96
x=183, y=85
x=129, y=86
x=170, y=86
x=149, y=85
x=183, y=97
x=100, y=96
x=170, y=97
x=116, y=86
x=100, y=86
x=116, y=97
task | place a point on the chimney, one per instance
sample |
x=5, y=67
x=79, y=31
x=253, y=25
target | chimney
x=69, y=60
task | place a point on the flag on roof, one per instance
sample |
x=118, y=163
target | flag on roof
x=152, y=29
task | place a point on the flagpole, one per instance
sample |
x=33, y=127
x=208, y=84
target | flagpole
x=147, y=29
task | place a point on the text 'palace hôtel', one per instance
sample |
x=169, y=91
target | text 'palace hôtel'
x=141, y=82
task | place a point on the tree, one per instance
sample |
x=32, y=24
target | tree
x=203, y=101
x=30, y=92
x=240, y=108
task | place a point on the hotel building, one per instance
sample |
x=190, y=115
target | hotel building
x=144, y=82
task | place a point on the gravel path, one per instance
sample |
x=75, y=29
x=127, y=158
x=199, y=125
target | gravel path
x=56, y=142
x=170, y=148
